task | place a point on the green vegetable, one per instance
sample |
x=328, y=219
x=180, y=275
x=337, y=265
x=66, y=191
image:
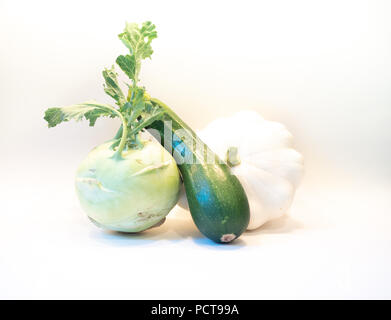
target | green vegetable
x=217, y=200
x=131, y=194
x=128, y=183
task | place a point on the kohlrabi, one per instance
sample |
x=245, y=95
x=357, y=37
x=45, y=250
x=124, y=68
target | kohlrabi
x=128, y=183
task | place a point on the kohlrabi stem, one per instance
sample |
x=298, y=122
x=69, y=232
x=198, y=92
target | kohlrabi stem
x=124, y=128
x=137, y=71
x=124, y=136
x=118, y=135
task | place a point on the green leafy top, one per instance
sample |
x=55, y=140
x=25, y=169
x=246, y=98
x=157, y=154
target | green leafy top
x=135, y=110
x=138, y=41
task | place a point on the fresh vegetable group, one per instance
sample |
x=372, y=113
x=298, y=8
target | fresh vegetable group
x=130, y=183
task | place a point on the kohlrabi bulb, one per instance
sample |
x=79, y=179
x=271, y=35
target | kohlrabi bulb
x=131, y=193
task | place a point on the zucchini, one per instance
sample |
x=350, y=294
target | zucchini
x=217, y=200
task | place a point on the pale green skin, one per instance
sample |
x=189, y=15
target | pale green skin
x=131, y=193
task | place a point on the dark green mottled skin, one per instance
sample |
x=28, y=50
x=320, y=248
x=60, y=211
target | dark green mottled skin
x=217, y=200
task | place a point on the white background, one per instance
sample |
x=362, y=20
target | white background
x=320, y=67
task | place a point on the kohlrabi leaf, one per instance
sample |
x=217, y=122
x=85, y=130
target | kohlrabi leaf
x=112, y=87
x=128, y=65
x=138, y=41
x=89, y=110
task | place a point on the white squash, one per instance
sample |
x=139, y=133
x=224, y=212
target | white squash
x=260, y=154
